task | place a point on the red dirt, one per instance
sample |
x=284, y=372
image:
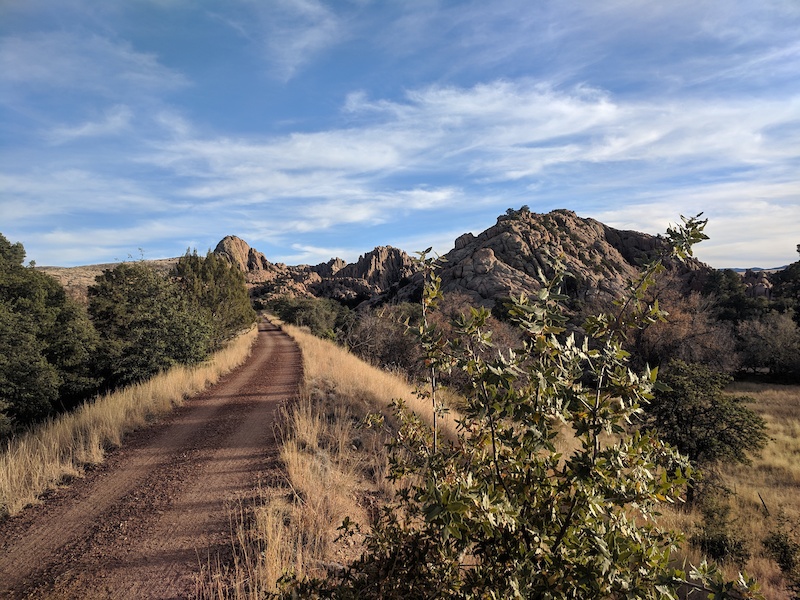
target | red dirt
x=144, y=523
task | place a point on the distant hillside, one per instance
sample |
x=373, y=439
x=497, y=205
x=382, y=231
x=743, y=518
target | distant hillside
x=745, y=270
x=76, y=280
x=503, y=260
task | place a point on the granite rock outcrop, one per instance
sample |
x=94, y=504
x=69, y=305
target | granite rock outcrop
x=507, y=258
x=374, y=274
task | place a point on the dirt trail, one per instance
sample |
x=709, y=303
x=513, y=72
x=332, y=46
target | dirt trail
x=141, y=525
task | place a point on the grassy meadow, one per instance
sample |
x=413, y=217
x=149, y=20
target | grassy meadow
x=763, y=497
x=767, y=493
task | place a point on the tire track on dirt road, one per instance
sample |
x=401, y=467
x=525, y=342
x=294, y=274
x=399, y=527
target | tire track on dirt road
x=141, y=525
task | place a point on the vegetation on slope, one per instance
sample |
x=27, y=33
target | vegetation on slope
x=54, y=354
x=456, y=528
x=497, y=383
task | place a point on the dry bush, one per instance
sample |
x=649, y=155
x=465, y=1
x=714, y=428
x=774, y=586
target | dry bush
x=691, y=332
x=328, y=365
x=59, y=449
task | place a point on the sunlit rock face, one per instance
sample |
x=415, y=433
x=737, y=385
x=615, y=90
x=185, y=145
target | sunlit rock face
x=506, y=259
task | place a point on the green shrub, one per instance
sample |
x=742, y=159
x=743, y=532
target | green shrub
x=502, y=512
x=783, y=546
x=693, y=413
x=323, y=316
x=217, y=289
x=146, y=322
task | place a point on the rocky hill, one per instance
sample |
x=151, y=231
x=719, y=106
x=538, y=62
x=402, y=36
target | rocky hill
x=507, y=258
x=503, y=260
x=375, y=274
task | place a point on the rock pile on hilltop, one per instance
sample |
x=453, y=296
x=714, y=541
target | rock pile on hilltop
x=374, y=274
x=507, y=258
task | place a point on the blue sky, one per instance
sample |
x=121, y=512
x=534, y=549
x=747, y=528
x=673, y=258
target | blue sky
x=317, y=129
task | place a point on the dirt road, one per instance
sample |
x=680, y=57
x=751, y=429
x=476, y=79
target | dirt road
x=141, y=525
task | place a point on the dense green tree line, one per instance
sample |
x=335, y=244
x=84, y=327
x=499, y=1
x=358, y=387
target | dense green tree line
x=54, y=353
x=47, y=344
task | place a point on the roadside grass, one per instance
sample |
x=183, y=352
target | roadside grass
x=60, y=449
x=335, y=467
x=765, y=495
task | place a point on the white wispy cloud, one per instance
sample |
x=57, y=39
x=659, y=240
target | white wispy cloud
x=497, y=131
x=81, y=245
x=115, y=120
x=467, y=108
x=66, y=60
x=289, y=33
x=503, y=132
x=303, y=254
x=41, y=194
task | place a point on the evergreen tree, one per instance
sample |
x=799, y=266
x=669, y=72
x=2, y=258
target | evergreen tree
x=47, y=344
x=692, y=413
x=146, y=323
x=217, y=289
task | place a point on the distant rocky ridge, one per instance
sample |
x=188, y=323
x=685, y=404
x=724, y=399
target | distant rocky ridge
x=374, y=274
x=501, y=261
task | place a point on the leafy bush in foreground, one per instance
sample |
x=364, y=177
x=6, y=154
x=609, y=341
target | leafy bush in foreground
x=548, y=492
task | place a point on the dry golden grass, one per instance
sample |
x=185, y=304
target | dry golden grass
x=334, y=468
x=774, y=476
x=59, y=449
x=351, y=377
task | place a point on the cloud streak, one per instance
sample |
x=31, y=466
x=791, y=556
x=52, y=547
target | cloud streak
x=115, y=121
x=91, y=63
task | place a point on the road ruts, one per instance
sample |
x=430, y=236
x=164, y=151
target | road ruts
x=142, y=524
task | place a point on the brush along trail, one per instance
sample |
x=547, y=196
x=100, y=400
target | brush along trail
x=144, y=523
